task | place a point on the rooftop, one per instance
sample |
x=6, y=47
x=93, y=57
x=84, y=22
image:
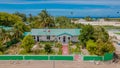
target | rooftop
x=6, y=28
x=56, y=32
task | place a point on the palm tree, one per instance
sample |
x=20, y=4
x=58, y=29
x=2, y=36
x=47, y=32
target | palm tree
x=4, y=36
x=45, y=19
x=18, y=30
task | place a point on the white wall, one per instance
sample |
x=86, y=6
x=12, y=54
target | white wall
x=75, y=39
x=61, y=38
x=52, y=38
x=44, y=38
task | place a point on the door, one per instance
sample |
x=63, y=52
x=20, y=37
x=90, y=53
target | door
x=38, y=38
x=64, y=39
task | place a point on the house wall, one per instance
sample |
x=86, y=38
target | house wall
x=53, y=38
x=74, y=39
x=61, y=38
x=44, y=38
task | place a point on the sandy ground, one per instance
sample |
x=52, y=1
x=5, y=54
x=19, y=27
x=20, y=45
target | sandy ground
x=56, y=64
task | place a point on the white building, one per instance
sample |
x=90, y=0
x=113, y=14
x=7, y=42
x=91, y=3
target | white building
x=60, y=35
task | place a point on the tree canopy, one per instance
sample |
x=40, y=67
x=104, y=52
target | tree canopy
x=48, y=48
x=100, y=47
x=7, y=19
x=85, y=34
x=96, y=40
x=22, y=15
x=27, y=43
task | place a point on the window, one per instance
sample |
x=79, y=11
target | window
x=37, y=38
x=59, y=38
x=48, y=37
x=68, y=38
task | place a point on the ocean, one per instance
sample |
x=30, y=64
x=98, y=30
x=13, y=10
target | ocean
x=59, y=9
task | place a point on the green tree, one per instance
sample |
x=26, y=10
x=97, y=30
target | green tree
x=91, y=47
x=19, y=29
x=100, y=33
x=1, y=47
x=104, y=47
x=27, y=43
x=88, y=18
x=22, y=15
x=4, y=36
x=7, y=19
x=43, y=20
x=31, y=18
x=85, y=34
x=100, y=47
x=62, y=22
x=48, y=48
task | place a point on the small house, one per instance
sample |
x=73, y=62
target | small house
x=60, y=35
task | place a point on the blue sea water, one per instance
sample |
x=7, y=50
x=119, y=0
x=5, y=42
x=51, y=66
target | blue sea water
x=63, y=9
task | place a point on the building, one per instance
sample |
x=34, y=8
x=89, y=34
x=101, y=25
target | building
x=60, y=35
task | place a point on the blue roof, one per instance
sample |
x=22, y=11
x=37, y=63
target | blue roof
x=56, y=32
x=27, y=33
x=6, y=28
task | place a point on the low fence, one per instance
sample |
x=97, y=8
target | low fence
x=5, y=57
x=106, y=57
x=97, y=58
x=36, y=57
x=61, y=58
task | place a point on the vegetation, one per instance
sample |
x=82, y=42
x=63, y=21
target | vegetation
x=9, y=19
x=86, y=34
x=1, y=48
x=22, y=15
x=88, y=18
x=48, y=48
x=96, y=40
x=112, y=19
x=111, y=27
x=99, y=47
x=27, y=43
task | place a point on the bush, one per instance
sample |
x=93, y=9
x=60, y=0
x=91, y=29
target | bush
x=48, y=48
x=60, y=51
x=58, y=45
x=10, y=43
x=1, y=53
x=23, y=52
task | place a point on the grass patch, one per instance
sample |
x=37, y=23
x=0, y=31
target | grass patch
x=48, y=42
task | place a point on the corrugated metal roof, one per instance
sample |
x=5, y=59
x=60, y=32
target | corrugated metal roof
x=53, y=32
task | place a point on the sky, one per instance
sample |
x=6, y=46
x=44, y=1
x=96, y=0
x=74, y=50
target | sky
x=69, y=8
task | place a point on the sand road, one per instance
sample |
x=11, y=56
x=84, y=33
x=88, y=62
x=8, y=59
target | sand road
x=55, y=64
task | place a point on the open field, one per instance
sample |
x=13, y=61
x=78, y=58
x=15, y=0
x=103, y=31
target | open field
x=56, y=64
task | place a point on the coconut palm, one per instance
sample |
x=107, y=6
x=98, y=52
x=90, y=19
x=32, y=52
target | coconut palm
x=18, y=30
x=45, y=19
